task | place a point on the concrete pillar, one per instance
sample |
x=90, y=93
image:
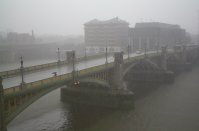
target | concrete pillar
x=117, y=82
x=2, y=113
x=163, y=59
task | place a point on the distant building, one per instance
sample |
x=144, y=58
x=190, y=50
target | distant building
x=22, y=38
x=111, y=33
x=153, y=35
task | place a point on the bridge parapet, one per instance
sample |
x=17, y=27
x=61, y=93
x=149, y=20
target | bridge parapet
x=2, y=112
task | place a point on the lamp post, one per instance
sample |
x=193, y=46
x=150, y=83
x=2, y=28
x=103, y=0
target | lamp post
x=145, y=50
x=22, y=71
x=158, y=40
x=128, y=50
x=58, y=55
x=106, y=56
x=85, y=55
x=73, y=62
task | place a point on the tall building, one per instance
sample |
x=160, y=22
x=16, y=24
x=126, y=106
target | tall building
x=111, y=33
x=152, y=35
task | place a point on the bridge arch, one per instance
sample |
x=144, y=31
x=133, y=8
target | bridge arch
x=143, y=70
x=34, y=95
x=17, y=103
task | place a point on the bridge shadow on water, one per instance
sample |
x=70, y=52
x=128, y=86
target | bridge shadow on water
x=142, y=90
x=83, y=117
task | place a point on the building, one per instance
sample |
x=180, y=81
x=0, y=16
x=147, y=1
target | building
x=19, y=38
x=153, y=35
x=111, y=33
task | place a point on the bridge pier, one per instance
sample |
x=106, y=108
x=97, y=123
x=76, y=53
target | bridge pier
x=2, y=113
x=117, y=82
x=178, y=62
x=98, y=90
x=168, y=75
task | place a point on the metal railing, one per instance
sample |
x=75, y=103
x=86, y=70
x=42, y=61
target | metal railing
x=68, y=76
x=6, y=74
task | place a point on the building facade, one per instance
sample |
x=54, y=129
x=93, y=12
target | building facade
x=153, y=35
x=113, y=33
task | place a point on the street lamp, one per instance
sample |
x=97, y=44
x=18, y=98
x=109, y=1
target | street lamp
x=145, y=49
x=58, y=55
x=22, y=71
x=106, y=56
x=73, y=62
x=128, y=50
x=85, y=55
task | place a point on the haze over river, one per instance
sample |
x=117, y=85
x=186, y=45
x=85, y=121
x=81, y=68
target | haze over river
x=172, y=107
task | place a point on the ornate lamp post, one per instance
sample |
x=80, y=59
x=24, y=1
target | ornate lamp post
x=22, y=71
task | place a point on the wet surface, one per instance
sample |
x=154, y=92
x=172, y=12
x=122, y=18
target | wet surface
x=47, y=73
x=172, y=107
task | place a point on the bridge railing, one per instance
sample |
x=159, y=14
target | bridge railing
x=52, y=80
x=6, y=74
x=68, y=76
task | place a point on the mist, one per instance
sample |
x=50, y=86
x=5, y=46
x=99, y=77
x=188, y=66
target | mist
x=66, y=17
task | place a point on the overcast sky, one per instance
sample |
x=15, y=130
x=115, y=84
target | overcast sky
x=66, y=17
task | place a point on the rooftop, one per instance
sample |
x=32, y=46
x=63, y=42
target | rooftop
x=115, y=20
x=155, y=24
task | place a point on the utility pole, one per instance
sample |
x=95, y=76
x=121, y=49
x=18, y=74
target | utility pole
x=2, y=112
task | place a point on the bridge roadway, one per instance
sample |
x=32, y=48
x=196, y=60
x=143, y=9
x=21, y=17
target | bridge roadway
x=12, y=66
x=46, y=73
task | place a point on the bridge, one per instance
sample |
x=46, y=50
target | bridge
x=153, y=67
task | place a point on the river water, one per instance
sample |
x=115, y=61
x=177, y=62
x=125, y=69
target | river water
x=172, y=107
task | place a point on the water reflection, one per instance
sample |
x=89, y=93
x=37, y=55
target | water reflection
x=167, y=107
x=82, y=117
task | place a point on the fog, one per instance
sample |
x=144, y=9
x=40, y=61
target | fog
x=66, y=17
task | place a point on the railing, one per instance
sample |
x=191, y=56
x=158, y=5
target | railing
x=6, y=74
x=55, y=79
x=68, y=76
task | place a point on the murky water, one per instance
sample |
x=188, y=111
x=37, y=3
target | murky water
x=173, y=107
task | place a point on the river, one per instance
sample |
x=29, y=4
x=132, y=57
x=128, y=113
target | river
x=170, y=107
